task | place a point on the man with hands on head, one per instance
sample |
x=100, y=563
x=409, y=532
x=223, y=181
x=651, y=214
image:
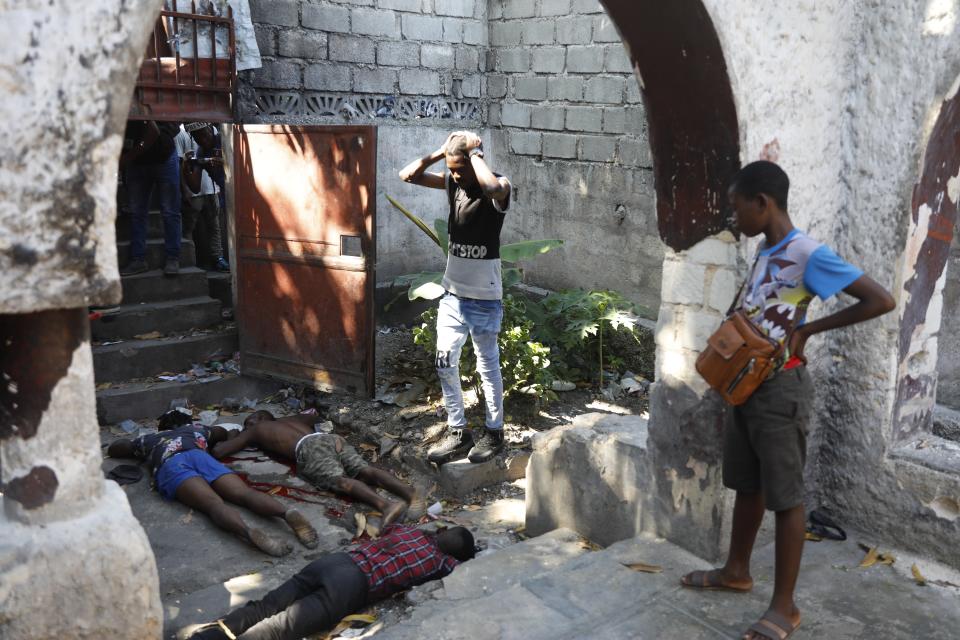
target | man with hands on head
x=478, y=200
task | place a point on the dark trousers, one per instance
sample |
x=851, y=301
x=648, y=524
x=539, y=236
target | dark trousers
x=141, y=180
x=208, y=215
x=314, y=600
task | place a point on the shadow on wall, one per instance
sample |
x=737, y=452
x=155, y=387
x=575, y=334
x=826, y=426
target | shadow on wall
x=304, y=237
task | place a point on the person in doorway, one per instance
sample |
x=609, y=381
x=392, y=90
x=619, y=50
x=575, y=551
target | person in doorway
x=765, y=441
x=149, y=163
x=201, y=194
x=338, y=584
x=325, y=460
x=478, y=200
x=184, y=471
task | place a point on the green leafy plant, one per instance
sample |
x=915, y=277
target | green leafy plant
x=524, y=362
x=427, y=284
x=576, y=321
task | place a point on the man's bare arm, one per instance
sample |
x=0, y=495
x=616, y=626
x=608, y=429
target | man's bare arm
x=873, y=301
x=416, y=172
x=493, y=187
x=229, y=447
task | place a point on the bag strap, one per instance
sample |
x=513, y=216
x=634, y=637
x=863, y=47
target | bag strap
x=736, y=298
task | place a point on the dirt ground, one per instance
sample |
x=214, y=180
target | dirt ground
x=204, y=572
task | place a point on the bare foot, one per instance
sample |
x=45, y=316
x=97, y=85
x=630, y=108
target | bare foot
x=393, y=512
x=418, y=506
x=302, y=528
x=717, y=580
x=267, y=543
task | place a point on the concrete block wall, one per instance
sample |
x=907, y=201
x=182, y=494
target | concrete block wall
x=569, y=129
x=560, y=82
x=356, y=48
x=546, y=82
x=698, y=286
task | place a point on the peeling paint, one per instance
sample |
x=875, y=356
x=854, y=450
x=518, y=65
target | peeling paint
x=33, y=490
x=694, y=131
x=933, y=217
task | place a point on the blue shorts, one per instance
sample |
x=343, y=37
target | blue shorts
x=183, y=466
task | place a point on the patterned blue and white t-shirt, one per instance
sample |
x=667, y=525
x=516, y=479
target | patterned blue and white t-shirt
x=786, y=278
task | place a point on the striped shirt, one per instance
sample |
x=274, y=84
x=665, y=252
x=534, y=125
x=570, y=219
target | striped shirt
x=402, y=557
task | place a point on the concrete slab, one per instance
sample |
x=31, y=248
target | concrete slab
x=156, y=254
x=220, y=286
x=151, y=399
x=593, y=476
x=168, y=316
x=153, y=286
x=593, y=595
x=461, y=477
x=141, y=358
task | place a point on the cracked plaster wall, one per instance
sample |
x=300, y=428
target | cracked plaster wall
x=67, y=72
x=908, y=58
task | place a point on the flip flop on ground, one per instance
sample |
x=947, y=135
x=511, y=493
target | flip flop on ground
x=712, y=581
x=772, y=626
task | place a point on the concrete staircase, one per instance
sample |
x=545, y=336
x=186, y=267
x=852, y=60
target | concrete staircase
x=176, y=308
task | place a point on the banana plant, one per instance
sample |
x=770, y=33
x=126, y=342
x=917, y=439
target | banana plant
x=426, y=284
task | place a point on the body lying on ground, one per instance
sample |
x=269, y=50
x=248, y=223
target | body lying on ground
x=183, y=470
x=325, y=460
x=338, y=584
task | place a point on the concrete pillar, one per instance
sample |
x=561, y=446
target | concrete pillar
x=691, y=506
x=74, y=562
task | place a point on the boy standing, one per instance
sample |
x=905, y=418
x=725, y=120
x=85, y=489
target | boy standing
x=473, y=303
x=765, y=443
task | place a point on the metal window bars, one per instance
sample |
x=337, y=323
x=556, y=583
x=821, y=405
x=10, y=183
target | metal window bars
x=188, y=72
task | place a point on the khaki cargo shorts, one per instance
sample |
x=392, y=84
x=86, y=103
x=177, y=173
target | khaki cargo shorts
x=765, y=444
x=324, y=458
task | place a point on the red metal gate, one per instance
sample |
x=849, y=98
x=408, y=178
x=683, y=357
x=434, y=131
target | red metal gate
x=305, y=251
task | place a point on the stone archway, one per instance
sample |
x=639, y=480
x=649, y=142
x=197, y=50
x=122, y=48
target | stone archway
x=695, y=144
x=71, y=100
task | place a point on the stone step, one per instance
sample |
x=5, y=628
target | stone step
x=595, y=595
x=153, y=286
x=144, y=358
x=221, y=287
x=137, y=401
x=156, y=254
x=170, y=316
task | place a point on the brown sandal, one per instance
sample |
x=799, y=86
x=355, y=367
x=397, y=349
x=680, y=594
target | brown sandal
x=710, y=581
x=773, y=626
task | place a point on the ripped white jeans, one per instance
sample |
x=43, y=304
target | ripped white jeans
x=481, y=319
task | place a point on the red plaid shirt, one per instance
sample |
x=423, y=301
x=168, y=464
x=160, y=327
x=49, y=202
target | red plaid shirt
x=402, y=557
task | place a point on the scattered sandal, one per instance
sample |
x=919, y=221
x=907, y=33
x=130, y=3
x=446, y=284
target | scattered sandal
x=773, y=626
x=822, y=525
x=710, y=581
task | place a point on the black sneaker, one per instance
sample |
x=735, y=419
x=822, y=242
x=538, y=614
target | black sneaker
x=455, y=445
x=488, y=446
x=172, y=267
x=134, y=267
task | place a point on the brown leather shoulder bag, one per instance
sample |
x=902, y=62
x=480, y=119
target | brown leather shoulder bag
x=738, y=357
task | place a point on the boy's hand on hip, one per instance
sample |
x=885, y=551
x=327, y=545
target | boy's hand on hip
x=798, y=340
